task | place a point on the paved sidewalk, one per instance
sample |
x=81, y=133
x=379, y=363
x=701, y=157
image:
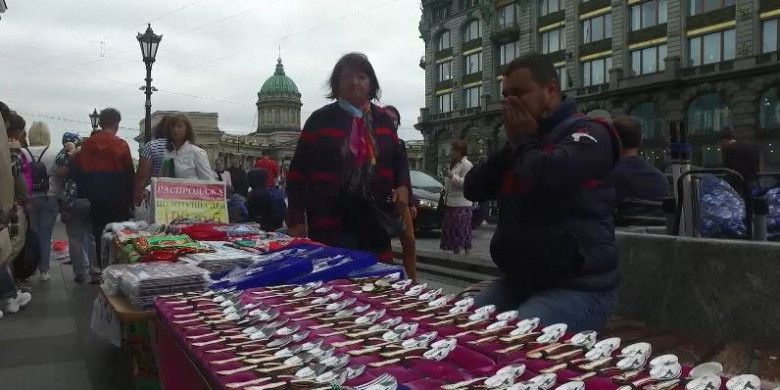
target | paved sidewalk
x=49, y=345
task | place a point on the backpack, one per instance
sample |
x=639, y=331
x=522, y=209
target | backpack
x=40, y=175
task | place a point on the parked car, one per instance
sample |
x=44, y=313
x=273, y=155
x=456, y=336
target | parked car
x=427, y=190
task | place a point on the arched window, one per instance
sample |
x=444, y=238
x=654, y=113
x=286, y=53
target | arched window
x=473, y=30
x=444, y=41
x=769, y=110
x=708, y=114
x=652, y=123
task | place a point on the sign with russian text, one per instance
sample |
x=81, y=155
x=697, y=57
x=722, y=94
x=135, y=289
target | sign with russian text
x=187, y=199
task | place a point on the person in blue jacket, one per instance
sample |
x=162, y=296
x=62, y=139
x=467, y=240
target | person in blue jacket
x=555, y=239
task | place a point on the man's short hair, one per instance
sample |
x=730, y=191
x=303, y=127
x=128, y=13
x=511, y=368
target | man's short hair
x=110, y=118
x=629, y=130
x=541, y=68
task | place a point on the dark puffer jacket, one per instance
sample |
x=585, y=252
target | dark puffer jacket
x=266, y=206
x=555, y=226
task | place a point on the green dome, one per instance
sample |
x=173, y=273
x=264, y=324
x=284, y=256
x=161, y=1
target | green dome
x=279, y=84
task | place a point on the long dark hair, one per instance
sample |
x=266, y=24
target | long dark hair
x=160, y=130
x=358, y=62
x=175, y=120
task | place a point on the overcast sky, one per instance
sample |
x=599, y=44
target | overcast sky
x=60, y=59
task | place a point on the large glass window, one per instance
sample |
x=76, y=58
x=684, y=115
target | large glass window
x=549, y=6
x=648, y=14
x=769, y=36
x=444, y=71
x=648, y=60
x=444, y=41
x=552, y=41
x=596, y=72
x=444, y=103
x=712, y=48
x=472, y=31
x=652, y=123
x=563, y=77
x=472, y=96
x=441, y=13
x=596, y=29
x=464, y=4
x=769, y=110
x=702, y=6
x=507, y=15
x=473, y=63
x=708, y=114
x=507, y=52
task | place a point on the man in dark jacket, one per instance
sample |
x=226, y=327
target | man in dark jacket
x=266, y=205
x=555, y=241
x=633, y=176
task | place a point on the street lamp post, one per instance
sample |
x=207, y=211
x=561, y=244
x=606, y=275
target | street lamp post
x=94, y=117
x=149, y=42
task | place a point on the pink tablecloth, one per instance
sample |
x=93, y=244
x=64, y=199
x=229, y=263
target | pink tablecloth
x=465, y=362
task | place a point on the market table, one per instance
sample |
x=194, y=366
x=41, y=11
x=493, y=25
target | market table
x=472, y=356
x=133, y=329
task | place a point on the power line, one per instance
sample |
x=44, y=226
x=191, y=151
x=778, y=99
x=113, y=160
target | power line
x=345, y=17
x=223, y=19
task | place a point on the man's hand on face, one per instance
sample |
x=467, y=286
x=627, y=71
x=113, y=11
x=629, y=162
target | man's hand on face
x=518, y=122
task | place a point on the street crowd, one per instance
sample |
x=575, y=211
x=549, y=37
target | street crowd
x=556, y=183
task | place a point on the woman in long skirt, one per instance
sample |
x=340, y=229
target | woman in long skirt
x=456, y=227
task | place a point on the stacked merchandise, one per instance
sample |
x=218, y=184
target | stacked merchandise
x=385, y=334
x=116, y=235
x=223, y=258
x=298, y=263
x=142, y=282
x=161, y=248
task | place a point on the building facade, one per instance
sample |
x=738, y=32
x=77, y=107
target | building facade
x=710, y=63
x=278, y=125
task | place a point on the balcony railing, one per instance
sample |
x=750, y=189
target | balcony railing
x=506, y=34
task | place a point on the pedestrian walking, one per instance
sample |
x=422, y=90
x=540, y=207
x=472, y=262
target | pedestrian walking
x=456, y=233
x=103, y=172
x=74, y=210
x=184, y=159
x=348, y=166
x=11, y=299
x=43, y=196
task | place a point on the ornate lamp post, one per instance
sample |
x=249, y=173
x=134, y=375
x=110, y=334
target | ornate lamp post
x=94, y=117
x=149, y=42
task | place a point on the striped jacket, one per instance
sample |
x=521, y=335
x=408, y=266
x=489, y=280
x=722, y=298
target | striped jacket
x=314, y=180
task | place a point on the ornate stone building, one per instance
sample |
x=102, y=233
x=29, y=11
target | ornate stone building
x=712, y=64
x=278, y=125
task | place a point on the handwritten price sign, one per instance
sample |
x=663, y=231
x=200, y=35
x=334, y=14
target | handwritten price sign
x=198, y=200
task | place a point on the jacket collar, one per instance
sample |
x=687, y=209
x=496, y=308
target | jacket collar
x=564, y=110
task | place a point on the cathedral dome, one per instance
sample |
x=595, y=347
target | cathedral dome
x=279, y=84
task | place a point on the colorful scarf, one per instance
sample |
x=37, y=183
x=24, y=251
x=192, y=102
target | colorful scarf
x=361, y=141
x=360, y=151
